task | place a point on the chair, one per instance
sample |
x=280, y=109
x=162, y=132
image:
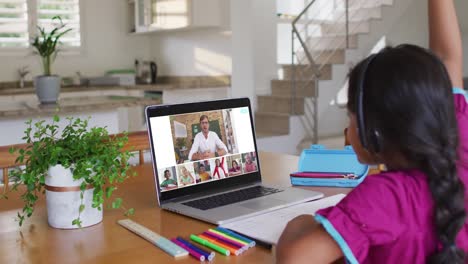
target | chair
x=8, y=160
x=137, y=142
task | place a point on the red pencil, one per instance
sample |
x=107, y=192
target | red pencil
x=327, y=175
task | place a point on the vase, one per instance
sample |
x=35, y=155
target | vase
x=47, y=88
x=63, y=200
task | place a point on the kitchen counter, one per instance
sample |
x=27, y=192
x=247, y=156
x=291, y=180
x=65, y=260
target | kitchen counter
x=32, y=108
x=165, y=83
x=68, y=89
x=119, y=108
x=116, y=113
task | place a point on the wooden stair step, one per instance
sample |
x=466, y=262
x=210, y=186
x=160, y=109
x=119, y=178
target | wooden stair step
x=364, y=3
x=329, y=57
x=280, y=104
x=358, y=14
x=285, y=88
x=332, y=42
x=306, y=71
x=271, y=123
x=339, y=28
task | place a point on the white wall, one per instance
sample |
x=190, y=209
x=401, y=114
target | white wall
x=462, y=7
x=413, y=27
x=242, y=16
x=265, y=44
x=107, y=44
x=192, y=52
x=243, y=47
x=198, y=52
x=253, y=25
x=465, y=55
x=195, y=52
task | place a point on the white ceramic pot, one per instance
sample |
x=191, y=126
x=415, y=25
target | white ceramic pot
x=63, y=200
x=47, y=88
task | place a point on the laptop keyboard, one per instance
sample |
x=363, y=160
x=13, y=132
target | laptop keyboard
x=231, y=197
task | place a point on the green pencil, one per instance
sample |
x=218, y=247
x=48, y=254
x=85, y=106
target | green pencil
x=206, y=243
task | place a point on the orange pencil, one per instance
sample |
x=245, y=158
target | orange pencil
x=234, y=250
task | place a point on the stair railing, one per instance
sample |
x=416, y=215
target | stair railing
x=307, y=66
x=313, y=65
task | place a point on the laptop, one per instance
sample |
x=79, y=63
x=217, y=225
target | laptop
x=206, y=164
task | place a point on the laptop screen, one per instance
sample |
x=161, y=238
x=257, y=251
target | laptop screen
x=201, y=148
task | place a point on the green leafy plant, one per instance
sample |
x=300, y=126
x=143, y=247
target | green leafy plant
x=94, y=156
x=46, y=43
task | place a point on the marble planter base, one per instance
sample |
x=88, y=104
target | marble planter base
x=63, y=200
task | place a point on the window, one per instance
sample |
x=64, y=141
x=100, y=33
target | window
x=13, y=23
x=16, y=32
x=68, y=10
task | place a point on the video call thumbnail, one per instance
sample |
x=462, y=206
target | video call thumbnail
x=190, y=173
x=234, y=165
x=168, y=180
x=202, y=170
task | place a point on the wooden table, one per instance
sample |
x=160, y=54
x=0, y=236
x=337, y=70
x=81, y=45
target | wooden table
x=107, y=242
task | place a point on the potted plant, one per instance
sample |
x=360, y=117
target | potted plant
x=77, y=169
x=46, y=45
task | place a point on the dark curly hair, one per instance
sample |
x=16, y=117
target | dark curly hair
x=408, y=99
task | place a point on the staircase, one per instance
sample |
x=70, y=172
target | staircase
x=325, y=32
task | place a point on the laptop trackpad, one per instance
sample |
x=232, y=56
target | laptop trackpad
x=259, y=204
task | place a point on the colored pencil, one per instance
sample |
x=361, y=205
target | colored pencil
x=234, y=250
x=230, y=237
x=206, y=243
x=208, y=255
x=227, y=231
x=192, y=252
x=226, y=240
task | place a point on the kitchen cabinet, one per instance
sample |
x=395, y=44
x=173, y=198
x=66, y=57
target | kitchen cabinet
x=24, y=97
x=118, y=92
x=6, y=99
x=64, y=95
x=137, y=93
x=166, y=15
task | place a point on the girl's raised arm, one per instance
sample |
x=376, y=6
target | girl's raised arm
x=445, y=39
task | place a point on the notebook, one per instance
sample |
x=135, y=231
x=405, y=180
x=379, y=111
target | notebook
x=269, y=226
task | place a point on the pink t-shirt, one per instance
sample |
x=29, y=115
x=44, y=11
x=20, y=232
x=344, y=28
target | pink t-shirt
x=250, y=167
x=388, y=218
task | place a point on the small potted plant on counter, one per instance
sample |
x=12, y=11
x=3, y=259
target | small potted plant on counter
x=46, y=45
x=77, y=169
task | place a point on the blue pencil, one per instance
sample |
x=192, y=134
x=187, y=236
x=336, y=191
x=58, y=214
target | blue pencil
x=230, y=233
x=208, y=255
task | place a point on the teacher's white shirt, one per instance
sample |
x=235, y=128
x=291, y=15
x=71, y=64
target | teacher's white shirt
x=202, y=144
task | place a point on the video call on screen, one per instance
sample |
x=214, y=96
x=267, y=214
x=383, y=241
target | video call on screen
x=205, y=146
